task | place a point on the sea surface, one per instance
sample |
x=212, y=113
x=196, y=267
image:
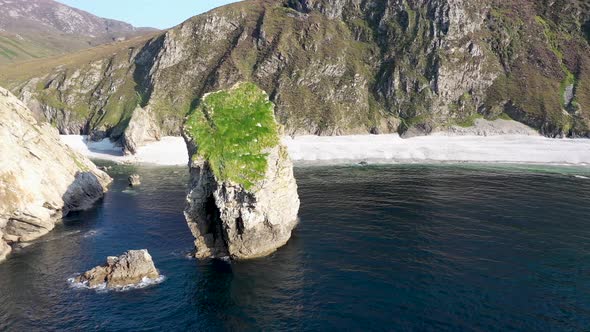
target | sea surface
x=400, y=248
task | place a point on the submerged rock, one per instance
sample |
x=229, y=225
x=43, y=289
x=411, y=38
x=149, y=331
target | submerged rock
x=131, y=268
x=41, y=179
x=243, y=202
x=134, y=180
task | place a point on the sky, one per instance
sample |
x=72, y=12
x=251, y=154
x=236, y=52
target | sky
x=159, y=14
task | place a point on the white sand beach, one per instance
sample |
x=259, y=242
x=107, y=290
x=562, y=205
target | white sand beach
x=373, y=149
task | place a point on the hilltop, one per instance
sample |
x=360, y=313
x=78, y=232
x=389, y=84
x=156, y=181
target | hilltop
x=40, y=28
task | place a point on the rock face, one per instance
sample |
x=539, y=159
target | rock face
x=134, y=180
x=142, y=128
x=228, y=220
x=240, y=221
x=41, y=179
x=131, y=268
x=337, y=67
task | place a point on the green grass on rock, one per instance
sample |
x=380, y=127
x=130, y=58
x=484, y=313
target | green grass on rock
x=232, y=129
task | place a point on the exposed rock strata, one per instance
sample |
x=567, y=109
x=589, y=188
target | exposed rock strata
x=243, y=200
x=228, y=220
x=41, y=179
x=131, y=268
x=337, y=67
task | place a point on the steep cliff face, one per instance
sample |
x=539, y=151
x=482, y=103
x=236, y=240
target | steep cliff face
x=243, y=200
x=344, y=67
x=41, y=179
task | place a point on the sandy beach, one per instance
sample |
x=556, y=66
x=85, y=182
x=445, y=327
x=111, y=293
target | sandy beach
x=372, y=149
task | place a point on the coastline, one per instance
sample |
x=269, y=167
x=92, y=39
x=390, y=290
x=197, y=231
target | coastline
x=376, y=149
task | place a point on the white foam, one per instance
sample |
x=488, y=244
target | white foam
x=145, y=282
x=581, y=177
x=373, y=149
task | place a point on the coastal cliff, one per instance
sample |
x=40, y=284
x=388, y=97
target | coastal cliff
x=243, y=200
x=336, y=67
x=41, y=179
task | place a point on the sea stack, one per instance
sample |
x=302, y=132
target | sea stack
x=41, y=179
x=243, y=200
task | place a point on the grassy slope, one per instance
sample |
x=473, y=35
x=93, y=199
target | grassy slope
x=13, y=75
x=232, y=129
x=27, y=46
x=542, y=57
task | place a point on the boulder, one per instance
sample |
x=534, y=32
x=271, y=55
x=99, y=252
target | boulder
x=134, y=180
x=41, y=179
x=250, y=210
x=131, y=268
x=142, y=128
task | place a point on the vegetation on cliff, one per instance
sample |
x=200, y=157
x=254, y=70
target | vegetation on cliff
x=232, y=130
x=340, y=67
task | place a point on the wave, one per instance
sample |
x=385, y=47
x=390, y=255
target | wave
x=102, y=288
x=581, y=177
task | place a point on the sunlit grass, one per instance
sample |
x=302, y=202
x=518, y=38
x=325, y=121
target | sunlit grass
x=232, y=129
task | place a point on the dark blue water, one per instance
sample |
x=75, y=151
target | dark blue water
x=405, y=248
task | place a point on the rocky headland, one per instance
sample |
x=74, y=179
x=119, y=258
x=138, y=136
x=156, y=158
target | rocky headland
x=41, y=179
x=243, y=200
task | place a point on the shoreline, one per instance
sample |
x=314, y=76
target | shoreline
x=374, y=149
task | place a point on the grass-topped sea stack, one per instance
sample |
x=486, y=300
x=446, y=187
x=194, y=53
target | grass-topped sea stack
x=243, y=201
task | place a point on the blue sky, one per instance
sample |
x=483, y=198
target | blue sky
x=147, y=13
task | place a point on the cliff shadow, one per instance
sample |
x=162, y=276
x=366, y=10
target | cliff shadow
x=144, y=63
x=83, y=193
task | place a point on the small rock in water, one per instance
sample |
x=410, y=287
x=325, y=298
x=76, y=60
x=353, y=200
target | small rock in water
x=128, y=269
x=134, y=180
x=364, y=163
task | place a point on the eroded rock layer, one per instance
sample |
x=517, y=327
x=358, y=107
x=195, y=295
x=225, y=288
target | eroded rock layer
x=129, y=269
x=243, y=200
x=340, y=67
x=230, y=221
x=41, y=179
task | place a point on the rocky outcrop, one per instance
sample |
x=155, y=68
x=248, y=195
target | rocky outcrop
x=232, y=219
x=134, y=180
x=129, y=269
x=41, y=179
x=336, y=67
x=142, y=128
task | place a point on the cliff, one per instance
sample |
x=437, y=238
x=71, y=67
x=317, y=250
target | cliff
x=41, y=179
x=337, y=67
x=243, y=200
